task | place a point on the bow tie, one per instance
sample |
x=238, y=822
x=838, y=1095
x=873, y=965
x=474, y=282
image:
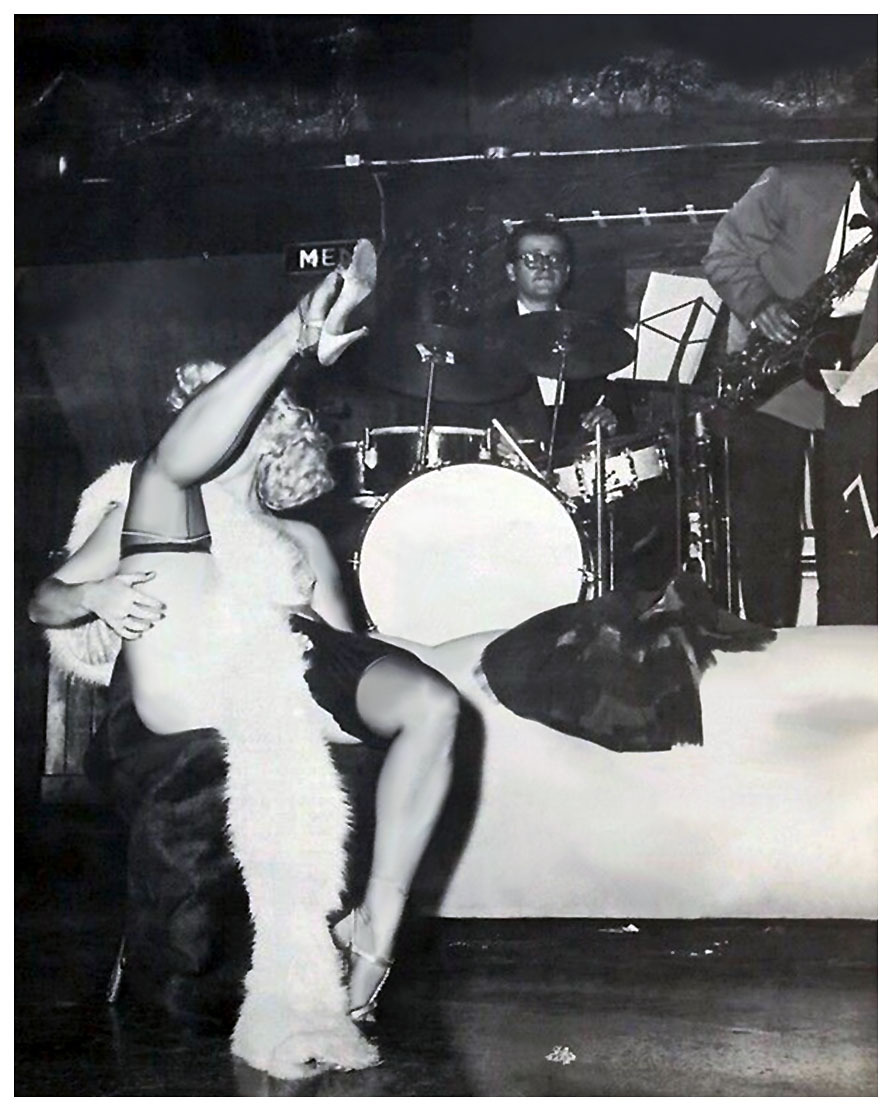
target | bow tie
x=858, y=221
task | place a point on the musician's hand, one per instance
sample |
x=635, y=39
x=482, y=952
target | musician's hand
x=505, y=451
x=599, y=415
x=774, y=321
x=120, y=603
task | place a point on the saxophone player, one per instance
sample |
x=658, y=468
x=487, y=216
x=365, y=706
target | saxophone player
x=792, y=225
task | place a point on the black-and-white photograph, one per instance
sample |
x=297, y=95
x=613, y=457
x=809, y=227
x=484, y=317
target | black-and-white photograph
x=446, y=575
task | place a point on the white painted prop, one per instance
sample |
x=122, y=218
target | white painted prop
x=775, y=816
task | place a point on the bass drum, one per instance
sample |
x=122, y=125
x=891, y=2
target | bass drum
x=468, y=548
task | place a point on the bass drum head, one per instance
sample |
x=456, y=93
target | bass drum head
x=465, y=549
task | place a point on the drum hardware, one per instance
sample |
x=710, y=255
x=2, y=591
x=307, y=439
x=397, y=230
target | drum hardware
x=730, y=584
x=524, y=459
x=629, y=462
x=700, y=540
x=372, y=467
x=368, y=455
x=404, y=370
x=592, y=491
x=560, y=348
x=601, y=554
x=567, y=346
x=433, y=359
x=707, y=516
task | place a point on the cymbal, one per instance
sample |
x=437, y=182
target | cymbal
x=594, y=347
x=402, y=368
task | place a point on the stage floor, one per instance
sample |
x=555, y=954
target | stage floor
x=520, y=1007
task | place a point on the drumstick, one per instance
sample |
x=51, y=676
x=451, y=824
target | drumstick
x=503, y=431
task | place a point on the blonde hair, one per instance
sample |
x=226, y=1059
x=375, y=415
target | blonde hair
x=292, y=450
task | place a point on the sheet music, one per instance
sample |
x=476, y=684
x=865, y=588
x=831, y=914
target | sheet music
x=850, y=387
x=667, y=306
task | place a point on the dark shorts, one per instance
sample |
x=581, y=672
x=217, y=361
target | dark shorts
x=337, y=663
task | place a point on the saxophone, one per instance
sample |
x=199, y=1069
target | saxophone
x=765, y=366
x=749, y=377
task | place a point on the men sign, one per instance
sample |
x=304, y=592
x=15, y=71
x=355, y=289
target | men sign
x=310, y=258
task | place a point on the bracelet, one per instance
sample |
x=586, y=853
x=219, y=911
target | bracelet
x=308, y=336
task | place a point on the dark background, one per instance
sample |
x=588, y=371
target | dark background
x=163, y=164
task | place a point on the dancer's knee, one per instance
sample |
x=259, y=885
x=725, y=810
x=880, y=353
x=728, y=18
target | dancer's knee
x=433, y=700
x=395, y=696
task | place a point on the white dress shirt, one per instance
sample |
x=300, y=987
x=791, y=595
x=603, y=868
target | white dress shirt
x=548, y=386
x=845, y=238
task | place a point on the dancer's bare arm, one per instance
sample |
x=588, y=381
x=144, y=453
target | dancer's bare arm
x=328, y=601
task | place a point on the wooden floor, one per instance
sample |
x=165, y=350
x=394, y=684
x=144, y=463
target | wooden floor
x=474, y=1007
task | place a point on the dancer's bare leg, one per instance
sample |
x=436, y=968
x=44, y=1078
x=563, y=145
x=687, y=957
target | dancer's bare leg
x=394, y=695
x=208, y=435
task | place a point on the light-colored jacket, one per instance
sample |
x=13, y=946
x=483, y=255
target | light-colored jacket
x=774, y=243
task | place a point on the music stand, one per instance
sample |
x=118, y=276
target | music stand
x=684, y=341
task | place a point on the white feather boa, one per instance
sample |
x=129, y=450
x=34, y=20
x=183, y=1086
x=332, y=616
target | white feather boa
x=287, y=813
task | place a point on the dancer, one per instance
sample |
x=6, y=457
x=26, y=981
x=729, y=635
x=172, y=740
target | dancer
x=181, y=595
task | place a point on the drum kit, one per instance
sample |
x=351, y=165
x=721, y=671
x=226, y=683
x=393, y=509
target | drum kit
x=470, y=529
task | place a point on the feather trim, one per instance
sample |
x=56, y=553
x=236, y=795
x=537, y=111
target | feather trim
x=287, y=814
x=88, y=650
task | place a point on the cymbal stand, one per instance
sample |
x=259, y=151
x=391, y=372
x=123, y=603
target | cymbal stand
x=730, y=583
x=434, y=358
x=700, y=541
x=602, y=581
x=730, y=576
x=560, y=349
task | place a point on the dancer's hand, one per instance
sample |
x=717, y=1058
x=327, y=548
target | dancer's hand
x=120, y=603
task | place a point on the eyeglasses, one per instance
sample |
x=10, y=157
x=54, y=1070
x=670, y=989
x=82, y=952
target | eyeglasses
x=536, y=260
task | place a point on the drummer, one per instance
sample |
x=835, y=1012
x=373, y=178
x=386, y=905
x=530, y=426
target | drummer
x=539, y=264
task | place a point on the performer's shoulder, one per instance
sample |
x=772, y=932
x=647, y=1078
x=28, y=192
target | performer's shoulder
x=504, y=309
x=807, y=177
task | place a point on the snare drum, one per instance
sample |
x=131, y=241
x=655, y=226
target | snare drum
x=387, y=457
x=629, y=462
x=468, y=548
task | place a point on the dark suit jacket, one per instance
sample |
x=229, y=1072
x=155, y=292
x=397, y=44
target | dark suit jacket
x=527, y=414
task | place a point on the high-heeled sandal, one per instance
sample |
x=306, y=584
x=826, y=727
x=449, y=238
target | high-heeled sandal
x=365, y=1012
x=358, y=282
